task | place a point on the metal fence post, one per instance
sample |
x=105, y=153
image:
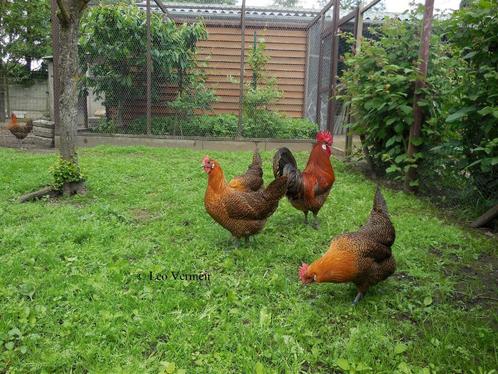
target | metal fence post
x=149, y=72
x=242, y=63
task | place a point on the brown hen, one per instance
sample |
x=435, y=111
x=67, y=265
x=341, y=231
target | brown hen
x=363, y=257
x=241, y=210
x=20, y=131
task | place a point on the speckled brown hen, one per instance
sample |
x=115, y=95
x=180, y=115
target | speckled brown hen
x=20, y=131
x=363, y=257
x=240, y=210
x=252, y=180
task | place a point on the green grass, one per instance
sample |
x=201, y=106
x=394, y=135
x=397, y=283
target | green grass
x=71, y=300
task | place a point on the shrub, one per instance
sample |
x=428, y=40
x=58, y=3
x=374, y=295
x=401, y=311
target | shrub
x=64, y=172
x=271, y=125
x=474, y=113
x=379, y=84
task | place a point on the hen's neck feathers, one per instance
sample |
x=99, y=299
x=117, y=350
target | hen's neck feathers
x=216, y=179
x=334, y=266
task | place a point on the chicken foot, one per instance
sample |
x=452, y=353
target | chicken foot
x=358, y=297
x=315, y=224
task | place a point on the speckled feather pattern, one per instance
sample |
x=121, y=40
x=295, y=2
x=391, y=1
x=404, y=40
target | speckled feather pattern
x=240, y=212
x=363, y=257
x=252, y=180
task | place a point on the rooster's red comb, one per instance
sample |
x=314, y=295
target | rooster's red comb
x=324, y=136
x=302, y=271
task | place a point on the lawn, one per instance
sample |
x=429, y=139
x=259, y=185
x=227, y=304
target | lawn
x=75, y=293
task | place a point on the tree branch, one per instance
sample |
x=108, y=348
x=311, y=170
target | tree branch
x=63, y=14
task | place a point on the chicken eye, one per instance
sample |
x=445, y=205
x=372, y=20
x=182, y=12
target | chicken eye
x=324, y=147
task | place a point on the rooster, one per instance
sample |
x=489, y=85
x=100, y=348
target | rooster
x=241, y=206
x=363, y=257
x=18, y=130
x=308, y=190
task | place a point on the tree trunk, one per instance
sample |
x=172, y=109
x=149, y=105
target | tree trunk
x=69, y=75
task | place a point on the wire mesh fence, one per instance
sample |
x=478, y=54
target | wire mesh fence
x=198, y=55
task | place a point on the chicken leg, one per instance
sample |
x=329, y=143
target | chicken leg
x=358, y=297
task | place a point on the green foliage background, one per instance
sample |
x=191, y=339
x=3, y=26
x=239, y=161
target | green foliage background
x=458, y=149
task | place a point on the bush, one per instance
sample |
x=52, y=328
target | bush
x=64, y=171
x=458, y=149
x=269, y=125
x=379, y=84
x=474, y=113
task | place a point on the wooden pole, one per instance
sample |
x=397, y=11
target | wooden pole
x=358, y=32
x=242, y=63
x=418, y=115
x=149, y=72
x=333, y=68
x=318, y=117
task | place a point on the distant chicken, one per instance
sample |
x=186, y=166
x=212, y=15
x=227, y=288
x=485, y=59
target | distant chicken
x=20, y=131
x=308, y=190
x=363, y=257
x=241, y=206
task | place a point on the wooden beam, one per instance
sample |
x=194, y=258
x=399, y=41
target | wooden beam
x=318, y=118
x=333, y=69
x=418, y=114
x=163, y=8
x=358, y=32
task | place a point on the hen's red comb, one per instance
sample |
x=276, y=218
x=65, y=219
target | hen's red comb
x=302, y=271
x=324, y=136
x=205, y=159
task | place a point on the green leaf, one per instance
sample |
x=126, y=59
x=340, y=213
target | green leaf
x=400, y=348
x=169, y=367
x=343, y=364
x=15, y=331
x=260, y=369
x=393, y=169
x=362, y=367
x=391, y=141
x=427, y=300
x=400, y=158
x=417, y=141
x=9, y=346
x=459, y=114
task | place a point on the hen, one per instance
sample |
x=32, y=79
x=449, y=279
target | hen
x=252, y=180
x=241, y=206
x=18, y=130
x=363, y=257
x=307, y=190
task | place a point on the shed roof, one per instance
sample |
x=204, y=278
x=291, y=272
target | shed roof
x=212, y=13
